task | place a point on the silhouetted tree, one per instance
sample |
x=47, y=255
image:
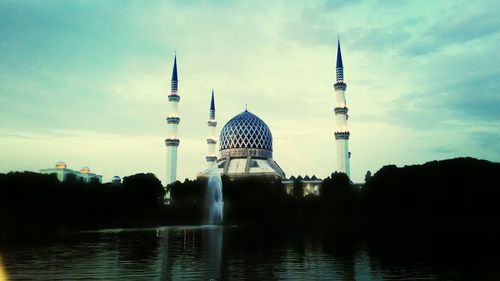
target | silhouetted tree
x=143, y=189
x=438, y=194
x=189, y=192
x=444, y=195
x=334, y=185
x=340, y=199
x=368, y=176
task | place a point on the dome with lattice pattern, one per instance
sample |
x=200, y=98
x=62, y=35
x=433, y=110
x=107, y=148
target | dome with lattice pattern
x=246, y=131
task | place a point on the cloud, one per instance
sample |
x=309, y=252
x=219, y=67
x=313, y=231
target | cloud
x=9, y=135
x=443, y=150
x=453, y=30
x=488, y=140
x=448, y=104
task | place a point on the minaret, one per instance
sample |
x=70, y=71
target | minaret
x=172, y=142
x=211, y=140
x=342, y=133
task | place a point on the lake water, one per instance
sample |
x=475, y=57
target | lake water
x=232, y=253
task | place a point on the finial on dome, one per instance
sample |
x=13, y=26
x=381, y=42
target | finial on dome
x=246, y=108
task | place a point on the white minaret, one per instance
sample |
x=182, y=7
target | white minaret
x=212, y=139
x=172, y=142
x=342, y=133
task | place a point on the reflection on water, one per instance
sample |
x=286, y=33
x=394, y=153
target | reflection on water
x=3, y=274
x=193, y=253
x=230, y=253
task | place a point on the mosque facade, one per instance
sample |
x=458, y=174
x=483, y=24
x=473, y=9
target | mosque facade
x=246, y=142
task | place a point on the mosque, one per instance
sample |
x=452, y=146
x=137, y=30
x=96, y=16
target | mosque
x=246, y=142
x=64, y=174
x=246, y=148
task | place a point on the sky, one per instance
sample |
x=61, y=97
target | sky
x=86, y=82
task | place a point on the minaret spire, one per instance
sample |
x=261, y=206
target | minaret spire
x=212, y=139
x=172, y=142
x=342, y=133
x=212, y=107
x=175, y=81
x=340, y=65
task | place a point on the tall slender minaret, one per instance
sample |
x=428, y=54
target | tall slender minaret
x=172, y=142
x=211, y=140
x=342, y=133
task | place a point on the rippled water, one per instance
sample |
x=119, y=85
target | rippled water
x=229, y=253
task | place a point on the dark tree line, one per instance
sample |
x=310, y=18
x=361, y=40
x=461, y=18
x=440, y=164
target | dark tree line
x=446, y=195
x=456, y=193
x=264, y=201
x=30, y=199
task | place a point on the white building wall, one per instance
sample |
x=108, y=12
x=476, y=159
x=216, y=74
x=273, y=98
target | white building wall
x=341, y=121
x=342, y=144
x=172, y=131
x=171, y=149
x=211, y=135
x=340, y=98
x=237, y=166
x=171, y=164
x=211, y=132
x=343, y=156
x=174, y=109
x=211, y=149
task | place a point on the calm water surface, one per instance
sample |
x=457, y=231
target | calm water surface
x=231, y=253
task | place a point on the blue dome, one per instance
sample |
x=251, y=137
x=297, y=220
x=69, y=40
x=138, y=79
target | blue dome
x=246, y=130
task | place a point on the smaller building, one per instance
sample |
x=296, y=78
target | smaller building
x=116, y=180
x=311, y=184
x=65, y=174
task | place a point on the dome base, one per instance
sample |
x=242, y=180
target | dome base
x=249, y=166
x=245, y=152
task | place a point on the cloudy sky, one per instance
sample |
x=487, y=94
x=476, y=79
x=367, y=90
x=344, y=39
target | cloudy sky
x=86, y=82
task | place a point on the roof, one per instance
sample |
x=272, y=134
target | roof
x=339, y=55
x=174, y=72
x=246, y=130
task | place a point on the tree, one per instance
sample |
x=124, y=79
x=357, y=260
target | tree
x=368, y=176
x=333, y=185
x=143, y=189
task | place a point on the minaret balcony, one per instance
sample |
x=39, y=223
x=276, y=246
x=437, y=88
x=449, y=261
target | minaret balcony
x=212, y=123
x=172, y=142
x=211, y=141
x=173, y=120
x=342, y=135
x=174, y=97
x=341, y=110
x=340, y=86
x=211, y=158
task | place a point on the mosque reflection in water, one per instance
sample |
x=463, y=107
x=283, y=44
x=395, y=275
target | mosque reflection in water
x=205, y=254
x=193, y=253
